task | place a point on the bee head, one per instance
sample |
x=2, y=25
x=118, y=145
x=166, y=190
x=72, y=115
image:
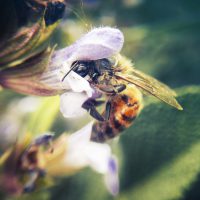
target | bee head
x=101, y=69
x=82, y=68
x=96, y=70
x=92, y=68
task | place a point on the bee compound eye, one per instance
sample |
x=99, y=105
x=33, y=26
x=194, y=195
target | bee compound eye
x=105, y=63
x=82, y=69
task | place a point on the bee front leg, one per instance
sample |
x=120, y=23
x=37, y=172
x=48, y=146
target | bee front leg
x=90, y=106
x=112, y=89
x=108, y=110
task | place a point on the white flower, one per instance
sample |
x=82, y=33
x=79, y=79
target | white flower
x=85, y=152
x=71, y=102
x=80, y=152
x=103, y=42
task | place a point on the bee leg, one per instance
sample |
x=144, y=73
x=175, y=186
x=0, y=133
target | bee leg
x=90, y=106
x=119, y=88
x=114, y=89
x=94, y=113
x=98, y=103
x=108, y=109
x=107, y=89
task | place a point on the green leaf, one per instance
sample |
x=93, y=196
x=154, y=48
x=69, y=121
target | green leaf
x=161, y=156
x=41, y=195
x=162, y=150
x=86, y=185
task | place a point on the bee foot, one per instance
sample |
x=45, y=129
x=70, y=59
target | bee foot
x=90, y=106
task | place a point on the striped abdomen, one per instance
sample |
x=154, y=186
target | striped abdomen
x=125, y=107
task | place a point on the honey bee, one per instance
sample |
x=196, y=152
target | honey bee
x=121, y=84
x=113, y=81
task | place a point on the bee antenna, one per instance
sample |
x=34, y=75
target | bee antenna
x=72, y=68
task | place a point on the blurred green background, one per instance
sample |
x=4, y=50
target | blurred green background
x=160, y=154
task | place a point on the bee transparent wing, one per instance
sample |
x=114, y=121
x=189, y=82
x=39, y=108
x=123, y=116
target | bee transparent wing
x=152, y=86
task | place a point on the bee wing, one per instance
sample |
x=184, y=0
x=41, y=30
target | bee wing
x=152, y=86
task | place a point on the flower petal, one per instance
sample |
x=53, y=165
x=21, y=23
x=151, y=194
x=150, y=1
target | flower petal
x=71, y=104
x=97, y=156
x=77, y=143
x=111, y=178
x=63, y=55
x=99, y=43
x=82, y=152
x=82, y=135
x=78, y=84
